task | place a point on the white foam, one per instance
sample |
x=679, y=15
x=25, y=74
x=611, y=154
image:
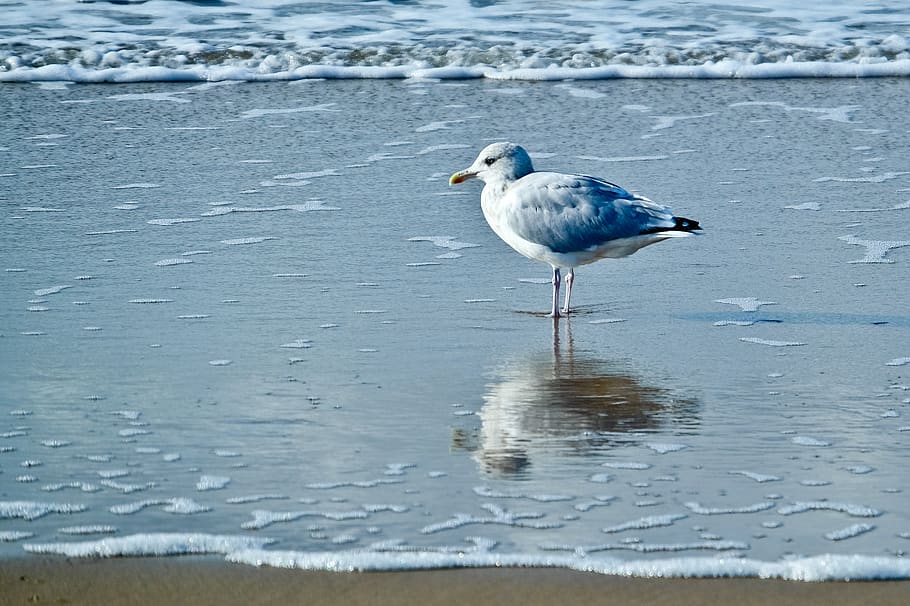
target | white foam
x=137, y=186
x=746, y=303
x=173, y=261
x=498, y=515
x=308, y=206
x=770, y=342
x=815, y=483
x=8, y=536
x=31, y=510
x=329, y=172
x=810, y=441
x=242, y=241
x=850, y=509
x=352, y=484
x=875, y=249
x=127, y=488
x=665, y=448
x=859, y=469
x=849, y=532
x=598, y=501
x=298, y=344
x=817, y=568
x=255, y=498
x=635, y=545
x=208, y=482
x=184, y=506
x=132, y=415
x=805, y=206
x=53, y=290
x=151, y=544
x=879, y=178
x=88, y=529
x=710, y=511
x=758, y=477
x=448, y=242
x=398, y=469
x=175, y=221
x=486, y=491
x=263, y=518
x=111, y=474
x=646, y=522
x=111, y=232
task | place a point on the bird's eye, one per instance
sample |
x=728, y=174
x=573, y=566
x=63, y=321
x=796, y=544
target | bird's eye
x=489, y=161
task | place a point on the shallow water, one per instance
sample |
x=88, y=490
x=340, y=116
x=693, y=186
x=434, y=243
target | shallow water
x=258, y=310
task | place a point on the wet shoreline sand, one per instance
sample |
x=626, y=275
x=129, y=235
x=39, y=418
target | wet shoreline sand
x=201, y=581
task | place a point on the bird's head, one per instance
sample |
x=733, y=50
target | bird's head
x=497, y=162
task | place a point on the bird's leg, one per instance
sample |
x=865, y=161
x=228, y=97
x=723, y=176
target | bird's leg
x=554, y=313
x=570, y=278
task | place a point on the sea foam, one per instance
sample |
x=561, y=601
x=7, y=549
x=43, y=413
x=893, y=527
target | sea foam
x=211, y=42
x=152, y=544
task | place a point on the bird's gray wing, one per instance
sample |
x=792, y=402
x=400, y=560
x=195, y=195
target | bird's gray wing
x=571, y=213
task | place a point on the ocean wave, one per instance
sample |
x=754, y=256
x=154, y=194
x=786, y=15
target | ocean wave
x=252, y=551
x=207, y=73
x=155, y=40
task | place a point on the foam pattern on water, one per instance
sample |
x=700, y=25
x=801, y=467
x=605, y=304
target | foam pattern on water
x=429, y=417
x=503, y=39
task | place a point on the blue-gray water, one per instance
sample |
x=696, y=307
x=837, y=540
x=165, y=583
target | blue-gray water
x=258, y=310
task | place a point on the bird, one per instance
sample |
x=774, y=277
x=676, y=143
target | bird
x=565, y=220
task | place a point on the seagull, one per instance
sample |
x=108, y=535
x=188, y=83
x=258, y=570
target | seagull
x=562, y=219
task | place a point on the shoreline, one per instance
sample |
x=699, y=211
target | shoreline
x=203, y=580
x=729, y=70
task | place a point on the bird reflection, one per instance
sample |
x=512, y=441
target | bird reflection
x=567, y=403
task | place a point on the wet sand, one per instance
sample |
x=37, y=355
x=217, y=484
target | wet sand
x=205, y=581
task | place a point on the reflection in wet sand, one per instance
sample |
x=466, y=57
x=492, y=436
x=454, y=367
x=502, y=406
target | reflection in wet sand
x=565, y=403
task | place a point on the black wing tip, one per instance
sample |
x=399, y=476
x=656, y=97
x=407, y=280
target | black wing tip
x=684, y=224
x=679, y=224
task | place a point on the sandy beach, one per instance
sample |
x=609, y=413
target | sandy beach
x=147, y=582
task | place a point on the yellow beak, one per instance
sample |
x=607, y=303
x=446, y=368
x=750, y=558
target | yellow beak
x=461, y=176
